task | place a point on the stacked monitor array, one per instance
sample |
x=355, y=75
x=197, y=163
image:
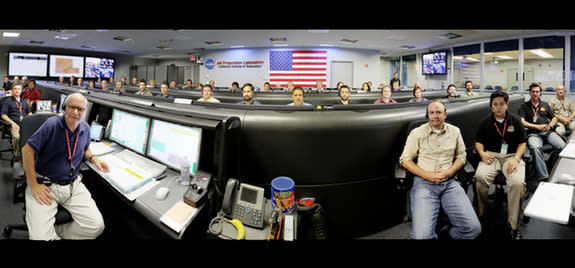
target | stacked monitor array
x=53, y=65
x=168, y=143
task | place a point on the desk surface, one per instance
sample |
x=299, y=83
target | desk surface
x=146, y=202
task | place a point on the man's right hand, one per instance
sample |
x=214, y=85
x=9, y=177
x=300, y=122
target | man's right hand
x=41, y=193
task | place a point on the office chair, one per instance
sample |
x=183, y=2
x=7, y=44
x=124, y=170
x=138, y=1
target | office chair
x=29, y=125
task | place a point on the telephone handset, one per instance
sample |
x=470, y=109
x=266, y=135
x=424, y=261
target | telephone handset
x=244, y=202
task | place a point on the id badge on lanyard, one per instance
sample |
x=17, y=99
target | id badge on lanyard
x=504, y=148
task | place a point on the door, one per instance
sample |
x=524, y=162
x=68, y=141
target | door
x=341, y=71
x=513, y=78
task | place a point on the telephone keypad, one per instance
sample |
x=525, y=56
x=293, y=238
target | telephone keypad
x=249, y=216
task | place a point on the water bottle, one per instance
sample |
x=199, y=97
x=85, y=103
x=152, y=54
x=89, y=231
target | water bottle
x=185, y=172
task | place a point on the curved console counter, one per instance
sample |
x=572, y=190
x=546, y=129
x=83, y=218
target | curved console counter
x=344, y=156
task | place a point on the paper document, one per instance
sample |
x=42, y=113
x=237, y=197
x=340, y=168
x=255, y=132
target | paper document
x=125, y=176
x=100, y=148
x=551, y=202
x=179, y=216
x=568, y=151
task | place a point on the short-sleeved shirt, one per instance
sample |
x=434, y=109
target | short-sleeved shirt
x=50, y=145
x=434, y=150
x=543, y=111
x=11, y=108
x=511, y=128
x=562, y=107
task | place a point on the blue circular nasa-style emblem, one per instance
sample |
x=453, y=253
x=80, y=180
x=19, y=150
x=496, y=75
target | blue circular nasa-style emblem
x=210, y=64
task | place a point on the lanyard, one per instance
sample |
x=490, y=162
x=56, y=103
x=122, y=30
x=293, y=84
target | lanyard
x=535, y=111
x=19, y=105
x=71, y=153
x=498, y=131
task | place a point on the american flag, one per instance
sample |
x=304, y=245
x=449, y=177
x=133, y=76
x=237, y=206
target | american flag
x=302, y=67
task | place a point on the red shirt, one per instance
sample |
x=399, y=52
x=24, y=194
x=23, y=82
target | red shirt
x=31, y=94
x=380, y=100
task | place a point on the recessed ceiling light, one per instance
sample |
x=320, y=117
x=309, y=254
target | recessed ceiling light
x=505, y=57
x=237, y=46
x=280, y=45
x=10, y=34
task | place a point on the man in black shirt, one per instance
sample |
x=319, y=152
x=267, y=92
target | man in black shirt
x=14, y=109
x=501, y=142
x=539, y=119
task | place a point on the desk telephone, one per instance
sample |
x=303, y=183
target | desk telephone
x=245, y=203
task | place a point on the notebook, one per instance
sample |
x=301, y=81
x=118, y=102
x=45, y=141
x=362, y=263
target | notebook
x=551, y=202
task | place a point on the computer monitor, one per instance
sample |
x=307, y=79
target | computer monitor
x=171, y=143
x=43, y=106
x=130, y=130
x=61, y=107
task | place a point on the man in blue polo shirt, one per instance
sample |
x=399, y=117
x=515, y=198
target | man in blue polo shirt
x=51, y=160
x=14, y=109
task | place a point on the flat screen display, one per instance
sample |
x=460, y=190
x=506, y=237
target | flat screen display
x=66, y=66
x=434, y=62
x=99, y=67
x=28, y=64
x=130, y=130
x=172, y=144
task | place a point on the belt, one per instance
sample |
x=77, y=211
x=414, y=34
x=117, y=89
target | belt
x=47, y=181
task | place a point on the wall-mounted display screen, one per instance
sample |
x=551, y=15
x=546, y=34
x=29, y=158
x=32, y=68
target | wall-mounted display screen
x=434, y=62
x=99, y=67
x=66, y=66
x=28, y=64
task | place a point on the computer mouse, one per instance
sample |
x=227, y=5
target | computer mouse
x=566, y=179
x=162, y=192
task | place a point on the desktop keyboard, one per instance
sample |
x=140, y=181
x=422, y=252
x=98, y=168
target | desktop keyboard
x=143, y=162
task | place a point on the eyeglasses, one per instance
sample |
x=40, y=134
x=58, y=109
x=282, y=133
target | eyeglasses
x=80, y=109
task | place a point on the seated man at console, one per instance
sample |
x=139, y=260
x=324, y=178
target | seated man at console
x=248, y=95
x=539, y=119
x=440, y=153
x=564, y=111
x=165, y=88
x=45, y=155
x=344, y=94
x=143, y=89
x=207, y=92
x=14, y=109
x=385, y=96
x=501, y=141
x=297, y=97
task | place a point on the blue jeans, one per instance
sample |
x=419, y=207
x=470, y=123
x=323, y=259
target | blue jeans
x=535, y=143
x=426, y=199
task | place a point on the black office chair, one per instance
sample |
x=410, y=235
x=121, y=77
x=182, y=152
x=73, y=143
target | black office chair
x=29, y=125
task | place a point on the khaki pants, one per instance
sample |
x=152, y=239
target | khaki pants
x=560, y=129
x=16, y=143
x=75, y=197
x=485, y=175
